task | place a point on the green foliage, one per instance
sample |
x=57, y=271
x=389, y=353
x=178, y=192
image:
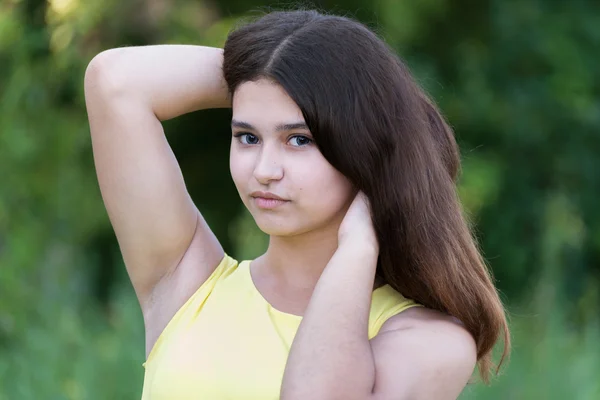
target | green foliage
x=551, y=360
x=518, y=80
x=77, y=354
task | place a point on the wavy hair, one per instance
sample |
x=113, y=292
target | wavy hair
x=374, y=124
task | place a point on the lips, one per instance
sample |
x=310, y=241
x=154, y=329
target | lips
x=267, y=200
x=266, y=195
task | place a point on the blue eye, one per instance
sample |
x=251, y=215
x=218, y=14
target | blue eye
x=249, y=138
x=301, y=140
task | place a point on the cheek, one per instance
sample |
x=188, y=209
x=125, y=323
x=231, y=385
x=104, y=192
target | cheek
x=238, y=170
x=323, y=189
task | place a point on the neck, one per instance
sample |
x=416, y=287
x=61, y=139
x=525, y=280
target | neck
x=297, y=262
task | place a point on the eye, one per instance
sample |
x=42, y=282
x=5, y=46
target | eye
x=246, y=138
x=300, y=141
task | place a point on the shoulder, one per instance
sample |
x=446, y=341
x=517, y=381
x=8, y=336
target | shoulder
x=432, y=352
x=444, y=335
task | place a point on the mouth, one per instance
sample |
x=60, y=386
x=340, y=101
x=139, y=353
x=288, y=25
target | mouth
x=268, y=203
x=266, y=195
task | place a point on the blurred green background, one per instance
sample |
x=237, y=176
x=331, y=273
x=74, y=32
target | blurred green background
x=518, y=80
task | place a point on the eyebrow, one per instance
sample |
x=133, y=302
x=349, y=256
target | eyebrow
x=278, y=128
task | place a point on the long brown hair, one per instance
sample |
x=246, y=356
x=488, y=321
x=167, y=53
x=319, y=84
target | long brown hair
x=374, y=124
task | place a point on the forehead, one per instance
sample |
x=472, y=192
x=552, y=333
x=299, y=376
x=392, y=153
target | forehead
x=264, y=103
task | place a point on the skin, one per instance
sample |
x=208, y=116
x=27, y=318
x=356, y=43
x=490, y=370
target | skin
x=322, y=254
x=290, y=166
x=418, y=354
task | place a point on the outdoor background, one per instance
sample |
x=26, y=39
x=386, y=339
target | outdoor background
x=519, y=80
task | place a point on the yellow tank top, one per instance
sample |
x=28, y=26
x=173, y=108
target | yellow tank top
x=227, y=342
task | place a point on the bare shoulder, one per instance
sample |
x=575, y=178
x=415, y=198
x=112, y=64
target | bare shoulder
x=445, y=330
x=421, y=317
x=423, y=354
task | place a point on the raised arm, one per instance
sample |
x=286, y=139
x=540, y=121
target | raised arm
x=128, y=91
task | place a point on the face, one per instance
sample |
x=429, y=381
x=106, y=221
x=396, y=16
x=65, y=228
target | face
x=273, y=152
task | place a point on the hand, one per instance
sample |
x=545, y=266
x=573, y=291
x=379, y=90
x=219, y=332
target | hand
x=357, y=228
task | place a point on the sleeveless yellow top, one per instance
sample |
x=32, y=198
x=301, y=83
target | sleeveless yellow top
x=227, y=342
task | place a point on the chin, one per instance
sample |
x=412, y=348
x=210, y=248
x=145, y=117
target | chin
x=280, y=227
x=278, y=230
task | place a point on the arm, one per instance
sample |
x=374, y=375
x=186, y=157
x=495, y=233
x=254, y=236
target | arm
x=128, y=91
x=331, y=357
x=422, y=354
x=171, y=80
x=428, y=357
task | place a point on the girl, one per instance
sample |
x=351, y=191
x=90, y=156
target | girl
x=372, y=286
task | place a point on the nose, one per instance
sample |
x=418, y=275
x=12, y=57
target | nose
x=268, y=167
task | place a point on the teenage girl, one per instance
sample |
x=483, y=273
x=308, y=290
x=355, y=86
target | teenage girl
x=372, y=286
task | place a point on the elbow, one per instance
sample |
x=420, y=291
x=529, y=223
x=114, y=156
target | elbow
x=102, y=78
